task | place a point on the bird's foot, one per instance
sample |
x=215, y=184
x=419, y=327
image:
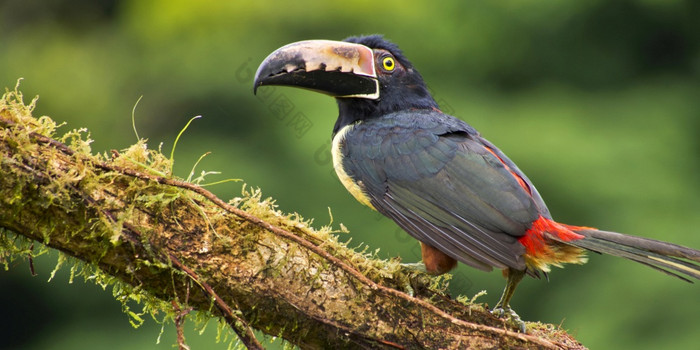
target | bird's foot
x=510, y=315
x=418, y=267
x=415, y=270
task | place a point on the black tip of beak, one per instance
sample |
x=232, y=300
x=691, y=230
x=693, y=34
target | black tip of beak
x=279, y=68
x=257, y=82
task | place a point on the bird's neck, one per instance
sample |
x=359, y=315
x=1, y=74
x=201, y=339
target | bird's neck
x=352, y=110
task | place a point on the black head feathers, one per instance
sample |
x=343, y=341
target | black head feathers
x=377, y=41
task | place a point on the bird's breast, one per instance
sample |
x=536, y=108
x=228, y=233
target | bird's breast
x=354, y=187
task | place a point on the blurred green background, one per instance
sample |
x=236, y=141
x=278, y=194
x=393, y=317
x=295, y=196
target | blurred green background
x=597, y=101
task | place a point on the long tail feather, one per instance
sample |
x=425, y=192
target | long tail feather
x=669, y=258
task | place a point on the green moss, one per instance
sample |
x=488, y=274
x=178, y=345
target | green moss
x=58, y=198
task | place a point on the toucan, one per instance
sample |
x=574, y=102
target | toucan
x=433, y=174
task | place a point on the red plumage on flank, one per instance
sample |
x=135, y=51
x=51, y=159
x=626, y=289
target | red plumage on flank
x=534, y=238
x=542, y=238
x=546, y=243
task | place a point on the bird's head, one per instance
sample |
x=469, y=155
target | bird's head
x=368, y=75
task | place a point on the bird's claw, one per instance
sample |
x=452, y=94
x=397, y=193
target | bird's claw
x=414, y=268
x=419, y=267
x=510, y=315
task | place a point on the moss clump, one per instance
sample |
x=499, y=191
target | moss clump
x=49, y=217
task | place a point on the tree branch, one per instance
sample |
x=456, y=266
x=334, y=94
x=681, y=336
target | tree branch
x=243, y=261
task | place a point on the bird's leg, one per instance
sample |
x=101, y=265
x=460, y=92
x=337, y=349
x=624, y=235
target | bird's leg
x=435, y=262
x=502, y=308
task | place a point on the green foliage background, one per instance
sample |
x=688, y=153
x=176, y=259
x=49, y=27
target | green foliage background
x=597, y=101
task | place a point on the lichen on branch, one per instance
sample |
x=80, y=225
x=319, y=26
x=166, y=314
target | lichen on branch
x=176, y=247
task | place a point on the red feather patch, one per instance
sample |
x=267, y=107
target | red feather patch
x=534, y=238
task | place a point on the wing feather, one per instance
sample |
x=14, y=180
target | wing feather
x=434, y=176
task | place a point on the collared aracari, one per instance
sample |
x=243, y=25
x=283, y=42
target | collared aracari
x=436, y=177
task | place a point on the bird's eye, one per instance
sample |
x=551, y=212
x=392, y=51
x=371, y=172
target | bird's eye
x=388, y=64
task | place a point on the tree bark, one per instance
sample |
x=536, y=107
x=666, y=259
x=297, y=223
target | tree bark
x=243, y=260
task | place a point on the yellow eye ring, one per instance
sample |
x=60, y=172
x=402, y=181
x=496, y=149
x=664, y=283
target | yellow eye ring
x=388, y=64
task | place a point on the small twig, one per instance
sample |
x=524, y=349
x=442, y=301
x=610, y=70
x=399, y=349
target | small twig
x=31, y=260
x=179, y=321
x=239, y=325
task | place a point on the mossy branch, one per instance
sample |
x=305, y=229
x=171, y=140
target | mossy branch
x=242, y=261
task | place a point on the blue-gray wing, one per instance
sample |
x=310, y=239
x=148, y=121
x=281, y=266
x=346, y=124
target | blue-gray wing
x=444, y=185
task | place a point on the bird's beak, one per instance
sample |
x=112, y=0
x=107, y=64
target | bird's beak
x=336, y=68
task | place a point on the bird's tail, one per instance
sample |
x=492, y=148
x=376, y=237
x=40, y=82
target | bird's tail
x=669, y=258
